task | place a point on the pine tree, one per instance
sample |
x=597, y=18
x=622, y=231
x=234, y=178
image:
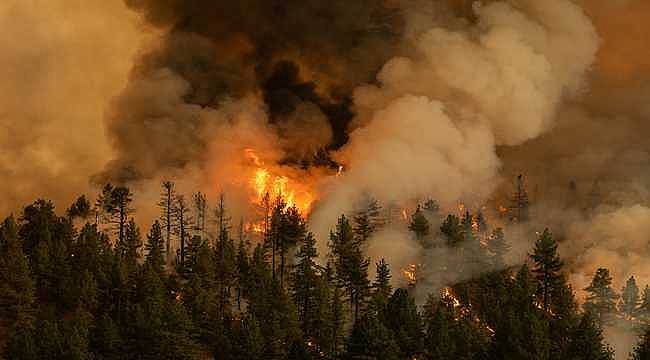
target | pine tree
x=367, y=220
x=252, y=339
x=547, y=268
x=420, y=227
x=292, y=233
x=182, y=225
x=522, y=331
x=587, y=341
x=79, y=209
x=305, y=287
x=200, y=206
x=499, y=247
x=404, y=321
x=381, y=285
x=630, y=298
x=644, y=307
x=453, y=231
x=117, y=207
x=350, y=263
x=370, y=339
x=601, y=301
x=167, y=207
x=129, y=247
x=155, y=256
x=642, y=349
x=17, y=295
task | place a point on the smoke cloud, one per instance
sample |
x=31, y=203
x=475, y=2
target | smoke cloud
x=60, y=62
x=465, y=91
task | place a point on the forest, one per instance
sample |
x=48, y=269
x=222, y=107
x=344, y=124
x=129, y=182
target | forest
x=89, y=284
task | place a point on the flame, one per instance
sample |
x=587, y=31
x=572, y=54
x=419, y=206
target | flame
x=271, y=181
x=410, y=273
x=446, y=293
x=255, y=227
x=502, y=210
x=405, y=216
x=461, y=209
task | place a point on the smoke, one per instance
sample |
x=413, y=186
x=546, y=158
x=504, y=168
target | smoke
x=432, y=125
x=59, y=64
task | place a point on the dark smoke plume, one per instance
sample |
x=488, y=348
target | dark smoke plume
x=294, y=54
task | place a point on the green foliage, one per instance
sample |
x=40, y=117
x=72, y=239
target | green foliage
x=601, y=298
x=453, y=231
x=154, y=247
x=370, y=339
x=587, y=341
x=351, y=265
x=419, y=225
x=87, y=294
x=547, y=268
x=16, y=285
x=630, y=298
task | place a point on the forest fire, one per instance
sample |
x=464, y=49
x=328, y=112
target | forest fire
x=410, y=273
x=269, y=184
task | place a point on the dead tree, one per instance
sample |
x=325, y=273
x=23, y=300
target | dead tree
x=519, y=203
x=183, y=222
x=167, y=206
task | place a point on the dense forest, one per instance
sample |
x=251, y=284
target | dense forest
x=89, y=284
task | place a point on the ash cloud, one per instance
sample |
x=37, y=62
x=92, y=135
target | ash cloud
x=432, y=124
x=302, y=57
x=59, y=66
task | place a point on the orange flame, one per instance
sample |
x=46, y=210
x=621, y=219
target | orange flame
x=266, y=180
x=410, y=273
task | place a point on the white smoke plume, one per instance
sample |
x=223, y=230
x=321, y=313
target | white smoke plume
x=431, y=125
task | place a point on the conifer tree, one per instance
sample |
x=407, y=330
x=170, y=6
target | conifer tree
x=601, y=298
x=129, y=247
x=293, y=231
x=17, y=295
x=644, y=306
x=630, y=298
x=305, y=287
x=182, y=226
x=547, y=268
x=200, y=206
x=453, y=231
x=167, y=206
x=367, y=220
x=642, y=349
x=404, y=321
x=420, y=227
x=155, y=256
x=350, y=263
x=587, y=341
x=117, y=206
x=79, y=209
x=499, y=247
x=381, y=285
x=371, y=339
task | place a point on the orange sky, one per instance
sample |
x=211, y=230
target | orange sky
x=624, y=26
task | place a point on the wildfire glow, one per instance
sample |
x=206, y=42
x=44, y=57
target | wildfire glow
x=447, y=294
x=271, y=182
x=410, y=273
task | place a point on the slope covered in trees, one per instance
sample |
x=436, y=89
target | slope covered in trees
x=97, y=287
